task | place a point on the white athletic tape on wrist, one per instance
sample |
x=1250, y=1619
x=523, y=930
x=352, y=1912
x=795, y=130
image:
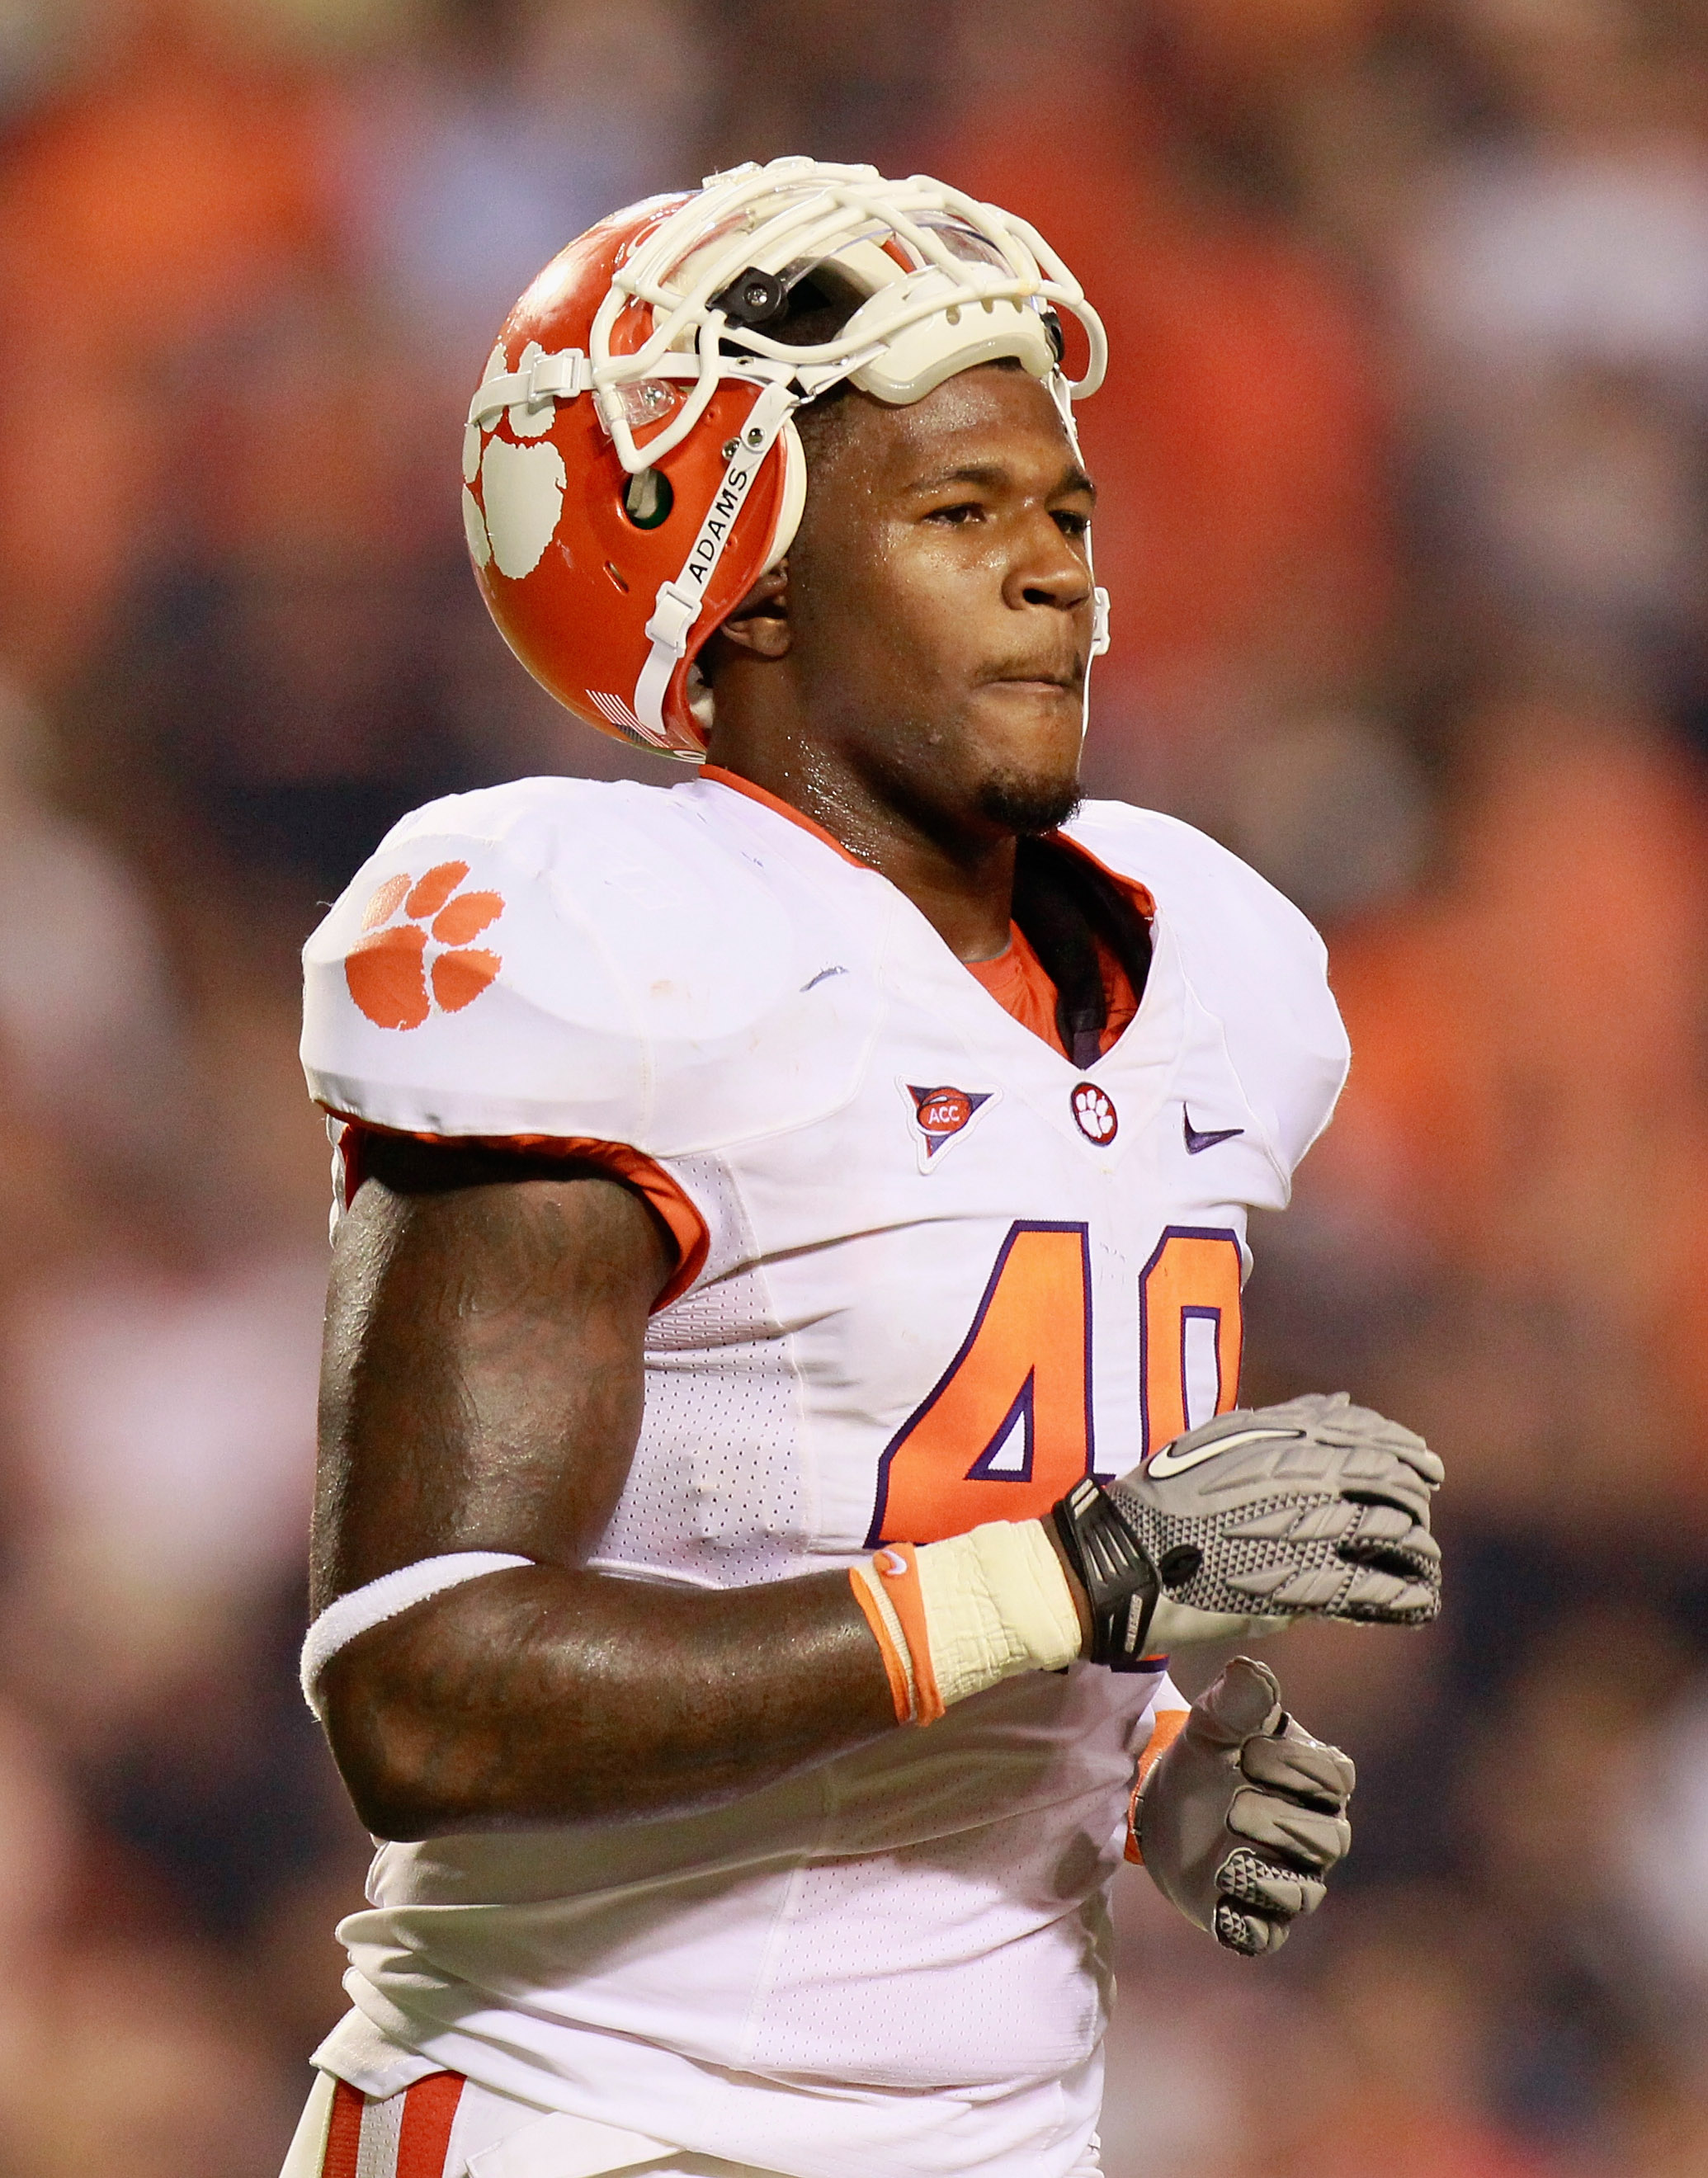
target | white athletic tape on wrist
x=954, y=1617
x=364, y=1608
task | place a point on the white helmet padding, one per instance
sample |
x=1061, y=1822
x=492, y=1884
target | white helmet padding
x=948, y=282
x=954, y=337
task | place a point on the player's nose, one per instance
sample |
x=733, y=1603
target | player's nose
x=1047, y=567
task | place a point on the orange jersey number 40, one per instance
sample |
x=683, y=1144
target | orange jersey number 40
x=1007, y=1429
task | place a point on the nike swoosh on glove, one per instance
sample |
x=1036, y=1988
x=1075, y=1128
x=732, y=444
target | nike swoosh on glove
x=1243, y=1814
x=1313, y=1508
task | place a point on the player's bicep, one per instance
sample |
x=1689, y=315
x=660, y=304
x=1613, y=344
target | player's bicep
x=482, y=1380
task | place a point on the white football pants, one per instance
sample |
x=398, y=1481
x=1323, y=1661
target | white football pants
x=445, y=2127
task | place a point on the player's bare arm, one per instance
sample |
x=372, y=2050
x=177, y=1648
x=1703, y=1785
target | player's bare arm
x=482, y=1391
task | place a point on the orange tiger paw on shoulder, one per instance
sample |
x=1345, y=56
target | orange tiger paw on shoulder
x=393, y=978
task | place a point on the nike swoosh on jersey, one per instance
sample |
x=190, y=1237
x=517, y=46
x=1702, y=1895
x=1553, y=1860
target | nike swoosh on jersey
x=1198, y=1142
x=1167, y=1462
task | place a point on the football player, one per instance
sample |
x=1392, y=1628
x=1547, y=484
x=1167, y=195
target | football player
x=786, y=1313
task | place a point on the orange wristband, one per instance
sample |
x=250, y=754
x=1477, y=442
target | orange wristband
x=891, y=1579
x=954, y=1617
x=897, y=1566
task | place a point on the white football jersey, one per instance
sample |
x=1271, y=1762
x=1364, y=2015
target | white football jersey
x=937, y=1272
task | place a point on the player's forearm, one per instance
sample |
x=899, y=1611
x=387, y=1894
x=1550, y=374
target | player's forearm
x=543, y=1696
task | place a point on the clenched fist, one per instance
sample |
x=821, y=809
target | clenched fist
x=1243, y=1814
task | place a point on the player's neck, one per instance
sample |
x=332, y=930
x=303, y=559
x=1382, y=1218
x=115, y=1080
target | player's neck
x=961, y=878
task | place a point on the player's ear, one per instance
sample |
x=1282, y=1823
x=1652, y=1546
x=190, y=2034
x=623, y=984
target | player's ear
x=759, y=625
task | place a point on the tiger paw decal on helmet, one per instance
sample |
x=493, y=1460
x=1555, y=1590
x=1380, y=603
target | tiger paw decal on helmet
x=388, y=970
x=521, y=479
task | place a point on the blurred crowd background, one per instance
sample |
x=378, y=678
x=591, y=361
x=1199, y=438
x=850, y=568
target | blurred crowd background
x=1405, y=460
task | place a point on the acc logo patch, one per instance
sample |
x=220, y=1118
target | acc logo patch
x=1095, y=1112
x=387, y=969
x=941, y=1113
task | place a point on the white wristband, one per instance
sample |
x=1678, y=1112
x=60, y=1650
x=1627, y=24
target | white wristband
x=954, y=1617
x=996, y=1602
x=364, y=1608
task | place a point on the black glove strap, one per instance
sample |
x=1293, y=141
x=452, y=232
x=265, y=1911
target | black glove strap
x=1117, y=1576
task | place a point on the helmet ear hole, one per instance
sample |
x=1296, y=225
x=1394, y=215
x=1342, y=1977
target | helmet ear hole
x=648, y=499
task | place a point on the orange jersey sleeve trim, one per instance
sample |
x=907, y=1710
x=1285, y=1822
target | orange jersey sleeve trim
x=343, y=2146
x=404, y=2136
x=766, y=800
x=1165, y=1730
x=621, y=1160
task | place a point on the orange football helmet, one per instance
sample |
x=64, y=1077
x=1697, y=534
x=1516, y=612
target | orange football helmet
x=630, y=468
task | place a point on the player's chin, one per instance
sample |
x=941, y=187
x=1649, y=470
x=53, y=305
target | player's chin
x=1029, y=746
x=1028, y=802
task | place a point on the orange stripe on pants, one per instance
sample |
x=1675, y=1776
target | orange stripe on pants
x=422, y=2135
x=428, y=2108
x=344, y=2135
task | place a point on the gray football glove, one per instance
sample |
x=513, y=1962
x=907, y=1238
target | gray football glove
x=1312, y=1508
x=1243, y=1816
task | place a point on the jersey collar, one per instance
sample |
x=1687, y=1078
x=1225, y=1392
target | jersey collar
x=766, y=800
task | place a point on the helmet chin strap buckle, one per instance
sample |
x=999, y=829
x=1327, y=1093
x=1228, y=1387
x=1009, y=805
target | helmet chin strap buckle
x=558, y=377
x=674, y=611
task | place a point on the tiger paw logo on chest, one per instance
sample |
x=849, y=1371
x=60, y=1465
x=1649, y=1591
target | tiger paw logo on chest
x=416, y=956
x=1095, y=1112
x=941, y=1113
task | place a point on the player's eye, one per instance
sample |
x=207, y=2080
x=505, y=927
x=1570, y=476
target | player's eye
x=961, y=512
x=1072, y=524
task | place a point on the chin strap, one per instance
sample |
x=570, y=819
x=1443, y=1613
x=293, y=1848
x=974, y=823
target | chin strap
x=547, y=378
x=679, y=602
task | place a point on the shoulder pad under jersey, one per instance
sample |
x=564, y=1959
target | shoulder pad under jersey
x=569, y=958
x=1252, y=960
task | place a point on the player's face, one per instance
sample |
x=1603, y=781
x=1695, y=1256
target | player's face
x=941, y=601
